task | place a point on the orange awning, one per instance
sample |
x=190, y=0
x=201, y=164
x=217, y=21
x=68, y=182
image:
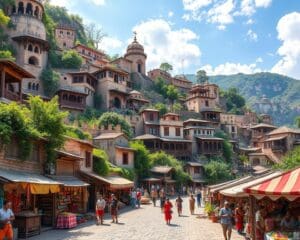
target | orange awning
x=285, y=185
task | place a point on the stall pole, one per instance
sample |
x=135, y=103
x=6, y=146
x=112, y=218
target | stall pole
x=252, y=217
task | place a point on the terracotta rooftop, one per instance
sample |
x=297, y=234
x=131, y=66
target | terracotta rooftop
x=161, y=169
x=105, y=136
x=284, y=129
x=146, y=137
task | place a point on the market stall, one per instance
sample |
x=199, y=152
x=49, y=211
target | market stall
x=277, y=200
x=23, y=190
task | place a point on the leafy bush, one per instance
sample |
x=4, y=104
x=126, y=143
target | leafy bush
x=101, y=162
x=75, y=132
x=290, y=161
x=50, y=81
x=6, y=55
x=162, y=108
x=217, y=171
x=141, y=159
x=227, y=146
x=114, y=119
x=71, y=59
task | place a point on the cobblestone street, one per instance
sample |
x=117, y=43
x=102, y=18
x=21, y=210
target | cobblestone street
x=146, y=223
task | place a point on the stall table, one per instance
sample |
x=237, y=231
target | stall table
x=28, y=224
x=66, y=221
x=282, y=235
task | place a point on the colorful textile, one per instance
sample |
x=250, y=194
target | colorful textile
x=168, y=211
x=66, y=221
x=7, y=232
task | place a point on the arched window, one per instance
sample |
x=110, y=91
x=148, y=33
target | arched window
x=33, y=86
x=33, y=61
x=139, y=67
x=29, y=10
x=29, y=85
x=30, y=48
x=14, y=9
x=36, y=50
x=36, y=11
x=37, y=86
x=117, y=102
x=21, y=8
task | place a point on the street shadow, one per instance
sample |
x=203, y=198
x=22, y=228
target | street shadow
x=173, y=225
x=184, y=216
x=119, y=223
x=105, y=225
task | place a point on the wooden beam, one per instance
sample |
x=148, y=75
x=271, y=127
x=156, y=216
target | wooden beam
x=2, y=83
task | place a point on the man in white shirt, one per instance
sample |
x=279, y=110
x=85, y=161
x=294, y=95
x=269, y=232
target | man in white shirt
x=133, y=198
x=100, y=207
x=6, y=217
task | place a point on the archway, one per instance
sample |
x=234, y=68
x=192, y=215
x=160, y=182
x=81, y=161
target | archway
x=117, y=102
x=21, y=8
x=29, y=10
x=33, y=61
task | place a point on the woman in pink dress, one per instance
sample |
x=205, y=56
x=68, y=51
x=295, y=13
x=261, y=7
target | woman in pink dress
x=168, y=211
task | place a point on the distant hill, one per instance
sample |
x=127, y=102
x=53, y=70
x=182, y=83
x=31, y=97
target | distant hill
x=270, y=93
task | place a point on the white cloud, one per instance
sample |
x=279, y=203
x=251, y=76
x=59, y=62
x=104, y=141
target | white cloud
x=170, y=14
x=61, y=3
x=288, y=29
x=221, y=12
x=108, y=44
x=163, y=43
x=250, y=21
x=68, y=3
x=229, y=68
x=252, y=35
x=259, y=60
x=194, y=5
x=263, y=3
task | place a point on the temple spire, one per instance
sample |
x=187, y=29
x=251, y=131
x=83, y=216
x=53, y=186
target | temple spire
x=134, y=33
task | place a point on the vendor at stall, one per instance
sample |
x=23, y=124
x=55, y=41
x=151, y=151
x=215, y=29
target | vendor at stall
x=288, y=223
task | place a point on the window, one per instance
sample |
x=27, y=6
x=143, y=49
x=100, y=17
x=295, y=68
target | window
x=151, y=116
x=166, y=131
x=88, y=161
x=206, y=103
x=196, y=170
x=29, y=85
x=36, y=50
x=33, y=61
x=30, y=48
x=178, y=132
x=125, y=158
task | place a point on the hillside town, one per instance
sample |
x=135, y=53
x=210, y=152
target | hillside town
x=105, y=128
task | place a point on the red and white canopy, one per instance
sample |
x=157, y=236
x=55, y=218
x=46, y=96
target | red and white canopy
x=286, y=185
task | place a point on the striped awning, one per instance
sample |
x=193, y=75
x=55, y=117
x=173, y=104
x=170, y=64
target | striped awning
x=285, y=185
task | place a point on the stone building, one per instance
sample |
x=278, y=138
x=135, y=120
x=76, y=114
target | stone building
x=65, y=36
x=114, y=142
x=29, y=39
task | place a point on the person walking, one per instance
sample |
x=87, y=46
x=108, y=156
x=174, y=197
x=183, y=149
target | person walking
x=239, y=218
x=226, y=220
x=133, y=198
x=178, y=204
x=192, y=204
x=168, y=211
x=138, y=198
x=162, y=197
x=198, y=196
x=6, y=217
x=114, y=208
x=154, y=196
x=100, y=207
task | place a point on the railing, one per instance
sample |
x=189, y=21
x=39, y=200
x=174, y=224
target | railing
x=76, y=105
x=12, y=96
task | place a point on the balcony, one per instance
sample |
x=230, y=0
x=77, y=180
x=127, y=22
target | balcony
x=72, y=105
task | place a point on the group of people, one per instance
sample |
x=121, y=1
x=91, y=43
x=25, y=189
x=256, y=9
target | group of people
x=113, y=205
x=135, y=197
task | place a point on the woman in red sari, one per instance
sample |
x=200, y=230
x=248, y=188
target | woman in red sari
x=168, y=211
x=239, y=219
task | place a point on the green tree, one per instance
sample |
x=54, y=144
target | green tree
x=114, y=119
x=201, y=77
x=7, y=55
x=217, y=171
x=101, y=162
x=15, y=121
x=6, y=49
x=172, y=93
x=290, y=161
x=298, y=121
x=177, y=107
x=166, y=67
x=160, y=86
x=163, y=159
x=49, y=121
x=234, y=101
x=162, y=108
x=141, y=160
x=227, y=147
x=50, y=80
x=71, y=59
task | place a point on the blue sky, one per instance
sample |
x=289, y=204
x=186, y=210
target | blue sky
x=220, y=36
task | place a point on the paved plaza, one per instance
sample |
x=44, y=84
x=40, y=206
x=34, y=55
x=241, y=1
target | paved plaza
x=146, y=223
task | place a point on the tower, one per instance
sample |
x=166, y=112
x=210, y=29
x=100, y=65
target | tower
x=29, y=40
x=135, y=53
x=65, y=36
